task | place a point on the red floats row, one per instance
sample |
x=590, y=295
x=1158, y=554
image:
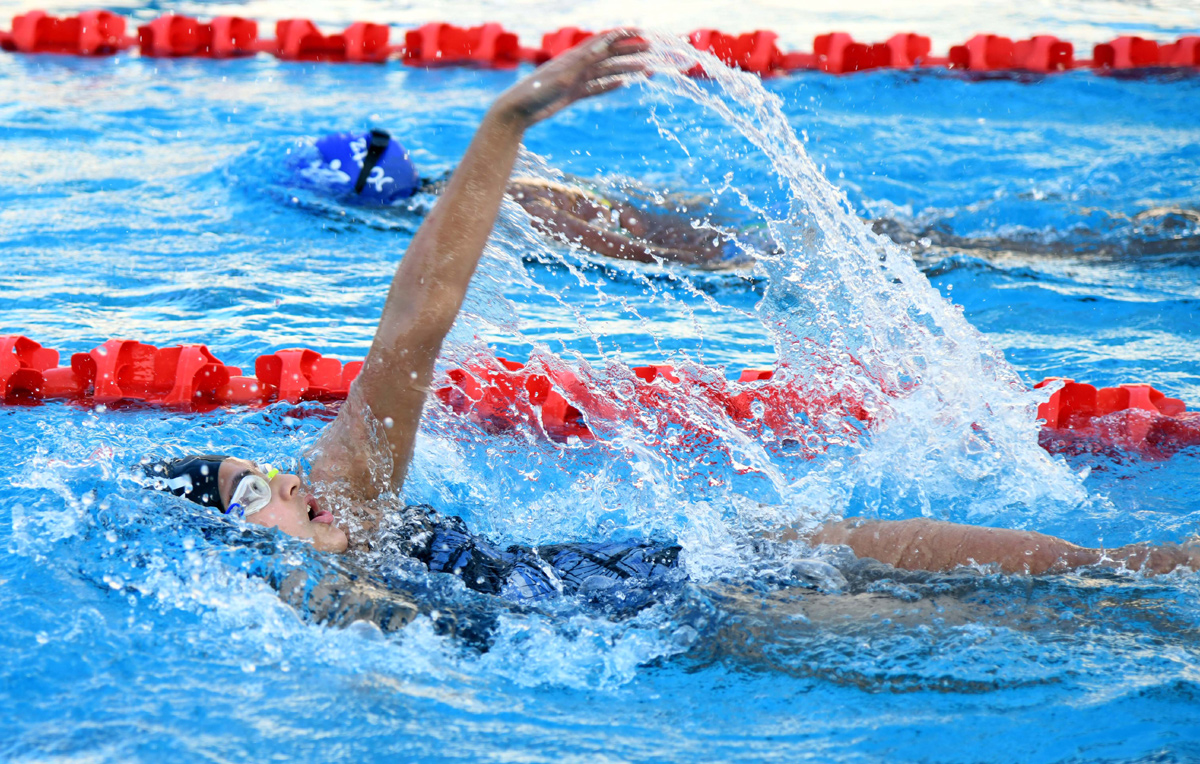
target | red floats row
x=230, y=36
x=839, y=53
x=1131, y=417
x=488, y=45
x=185, y=376
x=97, y=33
x=505, y=396
x=94, y=33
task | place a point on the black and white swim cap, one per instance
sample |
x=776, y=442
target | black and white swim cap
x=192, y=477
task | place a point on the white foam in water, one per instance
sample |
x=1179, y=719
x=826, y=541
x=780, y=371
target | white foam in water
x=849, y=311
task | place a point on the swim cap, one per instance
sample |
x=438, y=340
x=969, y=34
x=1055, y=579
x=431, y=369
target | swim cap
x=369, y=166
x=192, y=477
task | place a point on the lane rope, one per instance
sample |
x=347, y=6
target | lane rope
x=438, y=44
x=504, y=396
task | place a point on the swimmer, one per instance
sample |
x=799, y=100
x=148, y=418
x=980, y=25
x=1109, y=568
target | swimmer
x=374, y=168
x=385, y=403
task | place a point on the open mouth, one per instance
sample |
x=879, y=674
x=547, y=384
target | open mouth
x=316, y=514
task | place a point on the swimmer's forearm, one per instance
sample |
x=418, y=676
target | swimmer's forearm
x=430, y=284
x=434, y=274
x=940, y=546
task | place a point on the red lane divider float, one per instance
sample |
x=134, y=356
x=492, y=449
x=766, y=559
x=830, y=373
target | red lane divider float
x=487, y=46
x=175, y=36
x=555, y=44
x=97, y=33
x=1134, y=417
x=991, y=53
x=839, y=53
x=1138, y=53
x=300, y=40
x=94, y=33
x=503, y=395
x=754, y=52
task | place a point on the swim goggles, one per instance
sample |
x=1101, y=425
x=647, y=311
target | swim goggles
x=253, y=493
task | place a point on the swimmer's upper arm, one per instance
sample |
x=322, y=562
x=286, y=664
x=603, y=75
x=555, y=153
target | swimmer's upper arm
x=431, y=281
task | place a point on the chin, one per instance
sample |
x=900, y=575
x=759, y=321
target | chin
x=335, y=541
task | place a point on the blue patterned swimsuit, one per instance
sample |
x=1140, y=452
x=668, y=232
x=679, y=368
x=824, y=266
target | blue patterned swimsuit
x=622, y=572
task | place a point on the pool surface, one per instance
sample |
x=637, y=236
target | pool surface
x=1046, y=227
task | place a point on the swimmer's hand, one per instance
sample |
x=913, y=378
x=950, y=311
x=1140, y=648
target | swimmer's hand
x=597, y=65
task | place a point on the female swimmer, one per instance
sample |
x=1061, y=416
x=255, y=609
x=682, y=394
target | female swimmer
x=373, y=168
x=385, y=403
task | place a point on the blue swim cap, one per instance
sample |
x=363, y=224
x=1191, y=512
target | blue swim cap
x=369, y=166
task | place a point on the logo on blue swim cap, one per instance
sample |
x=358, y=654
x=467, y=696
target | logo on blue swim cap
x=369, y=166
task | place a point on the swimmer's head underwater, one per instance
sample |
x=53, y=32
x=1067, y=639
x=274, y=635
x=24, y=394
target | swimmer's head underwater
x=265, y=497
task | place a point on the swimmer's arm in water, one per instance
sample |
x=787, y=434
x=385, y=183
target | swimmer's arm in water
x=432, y=278
x=572, y=229
x=940, y=546
x=613, y=228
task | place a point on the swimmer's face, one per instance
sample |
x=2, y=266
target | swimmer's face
x=292, y=508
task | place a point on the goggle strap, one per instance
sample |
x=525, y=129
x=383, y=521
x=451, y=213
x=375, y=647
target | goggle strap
x=375, y=148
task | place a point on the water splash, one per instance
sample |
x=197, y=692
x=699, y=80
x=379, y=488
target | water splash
x=850, y=317
x=849, y=311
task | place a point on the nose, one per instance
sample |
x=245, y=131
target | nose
x=286, y=486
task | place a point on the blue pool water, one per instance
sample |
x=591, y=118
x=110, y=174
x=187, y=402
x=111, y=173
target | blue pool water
x=147, y=199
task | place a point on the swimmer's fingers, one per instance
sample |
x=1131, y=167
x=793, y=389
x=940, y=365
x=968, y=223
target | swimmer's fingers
x=596, y=66
x=605, y=85
x=626, y=42
x=618, y=42
x=621, y=65
x=613, y=52
x=614, y=73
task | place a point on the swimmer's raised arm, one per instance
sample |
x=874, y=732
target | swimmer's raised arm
x=432, y=278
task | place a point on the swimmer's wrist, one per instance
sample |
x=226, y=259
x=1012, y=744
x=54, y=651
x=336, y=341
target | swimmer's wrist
x=508, y=111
